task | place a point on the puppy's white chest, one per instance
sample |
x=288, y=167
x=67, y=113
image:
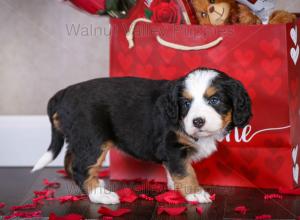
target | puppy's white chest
x=205, y=147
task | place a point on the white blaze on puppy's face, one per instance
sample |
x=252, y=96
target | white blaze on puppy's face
x=197, y=85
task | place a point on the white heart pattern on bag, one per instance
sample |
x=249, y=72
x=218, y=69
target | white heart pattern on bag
x=294, y=154
x=294, y=35
x=295, y=54
x=296, y=173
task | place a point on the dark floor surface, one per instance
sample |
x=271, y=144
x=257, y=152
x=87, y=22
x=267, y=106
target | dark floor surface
x=17, y=186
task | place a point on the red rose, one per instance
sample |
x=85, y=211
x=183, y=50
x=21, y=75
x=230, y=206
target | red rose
x=91, y=6
x=166, y=12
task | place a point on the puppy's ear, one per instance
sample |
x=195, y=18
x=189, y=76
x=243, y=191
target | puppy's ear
x=241, y=104
x=167, y=103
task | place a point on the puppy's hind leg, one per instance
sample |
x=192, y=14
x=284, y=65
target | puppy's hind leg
x=89, y=180
x=68, y=162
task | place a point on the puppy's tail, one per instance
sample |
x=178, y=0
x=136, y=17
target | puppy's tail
x=57, y=138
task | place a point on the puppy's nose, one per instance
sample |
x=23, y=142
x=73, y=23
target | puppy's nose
x=211, y=9
x=199, y=122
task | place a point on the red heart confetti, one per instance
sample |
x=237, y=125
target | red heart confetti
x=199, y=210
x=24, y=215
x=22, y=207
x=47, y=193
x=39, y=200
x=71, y=198
x=241, y=209
x=104, y=173
x=127, y=195
x=47, y=183
x=171, y=210
x=66, y=217
x=115, y=213
x=272, y=196
x=289, y=191
x=145, y=197
x=151, y=186
x=2, y=205
x=171, y=197
x=193, y=202
x=107, y=218
x=62, y=172
x=261, y=217
x=213, y=197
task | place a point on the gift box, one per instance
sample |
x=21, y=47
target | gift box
x=265, y=58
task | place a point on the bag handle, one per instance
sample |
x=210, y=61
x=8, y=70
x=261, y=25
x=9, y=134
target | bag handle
x=130, y=33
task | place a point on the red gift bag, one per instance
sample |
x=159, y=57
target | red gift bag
x=264, y=58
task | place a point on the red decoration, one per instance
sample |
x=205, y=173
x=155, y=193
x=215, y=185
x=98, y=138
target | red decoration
x=107, y=218
x=103, y=173
x=39, y=200
x=66, y=217
x=171, y=197
x=213, y=197
x=2, y=205
x=152, y=186
x=127, y=195
x=241, y=209
x=115, y=213
x=261, y=217
x=22, y=207
x=295, y=192
x=171, y=210
x=199, y=210
x=91, y=6
x=272, y=196
x=24, y=215
x=71, y=198
x=46, y=193
x=145, y=197
x=47, y=183
x=166, y=12
x=256, y=156
x=62, y=172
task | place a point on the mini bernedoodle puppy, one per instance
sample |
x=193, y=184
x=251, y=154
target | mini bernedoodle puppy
x=173, y=122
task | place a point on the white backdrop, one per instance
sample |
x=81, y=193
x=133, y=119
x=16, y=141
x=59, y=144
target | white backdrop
x=24, y=139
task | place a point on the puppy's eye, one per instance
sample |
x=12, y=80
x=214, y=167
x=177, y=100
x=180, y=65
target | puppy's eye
x=212, y=1
x=214, y=100
x=186, y=103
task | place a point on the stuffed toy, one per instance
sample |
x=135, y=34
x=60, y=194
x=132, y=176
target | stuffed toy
x=219, y=12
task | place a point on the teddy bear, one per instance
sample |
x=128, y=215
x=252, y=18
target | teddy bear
x=219, y=12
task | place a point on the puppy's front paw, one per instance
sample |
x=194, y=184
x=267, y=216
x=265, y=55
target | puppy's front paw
x=102, y=195
x=202, y=197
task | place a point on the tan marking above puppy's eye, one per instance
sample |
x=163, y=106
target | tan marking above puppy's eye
x=210, y=91
x=187, y=95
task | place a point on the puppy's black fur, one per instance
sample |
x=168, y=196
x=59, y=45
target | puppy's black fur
x=140, y=116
